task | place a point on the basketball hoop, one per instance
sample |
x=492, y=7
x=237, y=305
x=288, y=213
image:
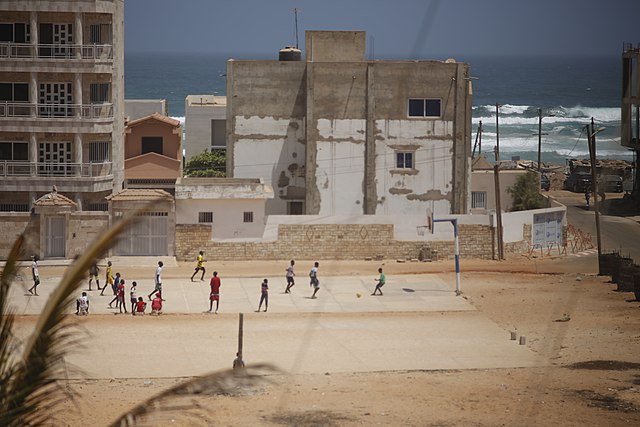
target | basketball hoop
x=421, y=229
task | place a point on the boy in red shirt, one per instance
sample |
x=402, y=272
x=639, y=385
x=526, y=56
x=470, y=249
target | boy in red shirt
x=215, y=292
x=140, y=306
x=120, y=297
x=156, y=304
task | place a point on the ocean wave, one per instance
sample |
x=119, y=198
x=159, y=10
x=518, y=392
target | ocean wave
x=528, y=114
x=181, y=119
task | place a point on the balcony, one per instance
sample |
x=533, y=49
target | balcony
x=68, y=177
x=56, y=111
x=56, y=51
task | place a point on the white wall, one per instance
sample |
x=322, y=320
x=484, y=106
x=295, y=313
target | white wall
x=228, y=216
x=138, y=108
x=267, y=147
x=399, y=191
x=198, y=122
x=340, y=166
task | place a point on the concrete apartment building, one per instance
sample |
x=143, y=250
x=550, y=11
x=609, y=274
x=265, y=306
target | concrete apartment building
x=205, y=124
x=61, y=101
x=338, y=134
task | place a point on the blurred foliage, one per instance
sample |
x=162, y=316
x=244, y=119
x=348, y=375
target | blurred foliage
x=207, y=164
x=525, y=192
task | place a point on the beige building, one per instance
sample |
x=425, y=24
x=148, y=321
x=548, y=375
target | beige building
x=336, y=134
x=153, y=152
x=205, y=124
x=61, y=101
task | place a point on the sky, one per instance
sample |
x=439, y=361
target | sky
x=410, y=29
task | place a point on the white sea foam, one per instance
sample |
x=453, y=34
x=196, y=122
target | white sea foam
x=603, y=114
x=562, y=114
x=530, y=120
x=513, y=109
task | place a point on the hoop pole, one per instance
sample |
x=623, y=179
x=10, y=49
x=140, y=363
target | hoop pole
x=454, y=222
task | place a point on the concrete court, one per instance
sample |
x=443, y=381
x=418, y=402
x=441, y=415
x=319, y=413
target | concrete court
x=419, y=324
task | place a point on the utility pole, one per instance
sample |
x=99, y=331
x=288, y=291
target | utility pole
x=540, y=135
x=496, y=178
x=497, y=149
x=591, y=139
x=478, y=142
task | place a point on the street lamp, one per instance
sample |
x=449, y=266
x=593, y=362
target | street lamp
x=591, y=139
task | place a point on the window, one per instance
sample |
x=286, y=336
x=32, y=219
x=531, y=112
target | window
x=14, y=92
x=14, y=33
x=248, y=217
x=100, y=33
x=14, y=151
x=151, y=144
x=404, y=159
x=296, y=208
x=478, y=200
x=424, y=107
x=205, y=217
x=99, y=152
x=100, y=93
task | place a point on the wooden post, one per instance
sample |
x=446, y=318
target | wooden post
x=591, y=138
x=238, y=363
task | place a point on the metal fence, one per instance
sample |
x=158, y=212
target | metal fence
x=37, y=169
x=59, y=111
x=56, y=51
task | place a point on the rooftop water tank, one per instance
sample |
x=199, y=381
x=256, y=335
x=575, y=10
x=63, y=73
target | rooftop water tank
x=290, y=53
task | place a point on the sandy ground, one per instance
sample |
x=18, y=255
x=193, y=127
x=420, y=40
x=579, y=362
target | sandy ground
x=586, y=335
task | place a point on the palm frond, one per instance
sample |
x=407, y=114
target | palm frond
x=32, y=391
x=220, y=382
x=7, y=317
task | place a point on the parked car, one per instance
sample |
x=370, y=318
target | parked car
x=578, y=182
x=545, y=183
x=610, y=184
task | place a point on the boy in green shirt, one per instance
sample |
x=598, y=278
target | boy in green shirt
x=380, y=281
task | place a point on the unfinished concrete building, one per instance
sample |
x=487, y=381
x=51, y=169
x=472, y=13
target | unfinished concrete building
x=337, y=134
x=630, y=121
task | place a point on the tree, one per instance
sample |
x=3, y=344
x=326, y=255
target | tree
x=525, y=192
x=206, y=164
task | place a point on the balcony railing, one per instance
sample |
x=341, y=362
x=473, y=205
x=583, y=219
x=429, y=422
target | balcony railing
x=37, y=169
x=56, y=51
x=63, y=111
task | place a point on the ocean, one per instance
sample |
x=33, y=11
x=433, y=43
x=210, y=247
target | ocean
x=569, y=89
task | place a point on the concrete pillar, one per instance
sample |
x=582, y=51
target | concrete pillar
x=78, y=34
x=33, y=151
x=312, y=195
x=231, y=121
x=77, y=94
x=33, y=92
x=77, y=149
x=461, y=140
x=370, y=191
x=33, y=24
